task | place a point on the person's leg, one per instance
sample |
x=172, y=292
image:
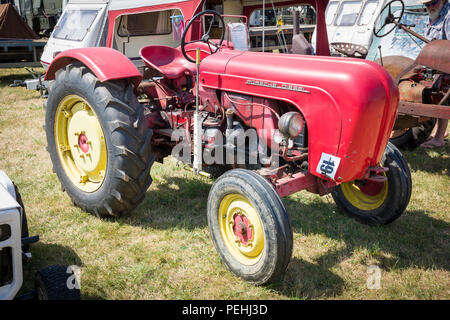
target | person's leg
x=438, y=139
x=433, y=133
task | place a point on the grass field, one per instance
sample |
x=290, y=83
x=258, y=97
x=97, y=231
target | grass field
x=163, y=249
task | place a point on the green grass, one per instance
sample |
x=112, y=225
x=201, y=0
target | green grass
x=163, y=249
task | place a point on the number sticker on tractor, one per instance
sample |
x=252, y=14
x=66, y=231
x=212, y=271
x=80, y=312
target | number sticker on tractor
x=328, y=165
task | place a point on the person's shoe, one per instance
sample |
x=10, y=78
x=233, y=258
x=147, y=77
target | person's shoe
x=433, y=143
x=432, y=136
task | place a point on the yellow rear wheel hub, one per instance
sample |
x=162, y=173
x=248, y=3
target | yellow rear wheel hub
x=241, y=229
x=365, y=197
x=80, y=143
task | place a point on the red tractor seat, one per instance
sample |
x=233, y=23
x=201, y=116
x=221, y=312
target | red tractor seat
x=167, y=60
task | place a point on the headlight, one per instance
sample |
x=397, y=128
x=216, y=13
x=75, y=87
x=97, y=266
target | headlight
x=291, y=124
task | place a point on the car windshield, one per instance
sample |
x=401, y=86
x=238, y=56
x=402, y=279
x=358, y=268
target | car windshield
x=74, y=24
x=348, y=13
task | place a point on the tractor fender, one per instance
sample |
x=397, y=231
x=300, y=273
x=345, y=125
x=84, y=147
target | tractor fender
x=106, y=63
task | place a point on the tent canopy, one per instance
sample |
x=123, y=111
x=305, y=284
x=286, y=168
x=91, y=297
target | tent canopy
x=12, y=26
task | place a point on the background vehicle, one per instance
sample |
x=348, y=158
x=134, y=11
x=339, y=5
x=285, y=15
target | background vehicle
x=277, y=123
x=420, y=68
x=51, y=282
x=350, y=24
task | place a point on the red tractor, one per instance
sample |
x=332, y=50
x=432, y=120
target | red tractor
x=275, y=124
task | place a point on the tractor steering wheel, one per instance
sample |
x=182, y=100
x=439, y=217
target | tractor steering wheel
x=390, y=19
x=206, y=37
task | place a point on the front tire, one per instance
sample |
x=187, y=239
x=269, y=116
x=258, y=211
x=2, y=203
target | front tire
x=52, y=283
x=98, y=142
x=249, y=226
x=377, y=203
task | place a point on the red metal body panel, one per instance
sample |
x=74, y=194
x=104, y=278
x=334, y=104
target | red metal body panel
x=292, y=184
x=105, y=63
x=349, y=105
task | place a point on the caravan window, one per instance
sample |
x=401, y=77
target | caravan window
x=348, y=13
x=367, y=12
x=144, y=24
x=330, y=12
x=74, y=24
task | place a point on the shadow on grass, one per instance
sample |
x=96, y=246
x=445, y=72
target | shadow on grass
x=305, y=280
x=414, y=240
x=44, y=255
x=5, y=81
x=434, y=160
x=177, y=203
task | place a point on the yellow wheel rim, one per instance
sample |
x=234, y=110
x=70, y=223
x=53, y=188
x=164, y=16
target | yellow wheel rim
x=80, y=143
x=366, y=196
x=241, y=229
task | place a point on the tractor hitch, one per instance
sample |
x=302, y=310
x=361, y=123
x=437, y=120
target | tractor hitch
x=376, y=174
x=287, y=181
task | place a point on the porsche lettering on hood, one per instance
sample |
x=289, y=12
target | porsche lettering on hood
x=275, y=85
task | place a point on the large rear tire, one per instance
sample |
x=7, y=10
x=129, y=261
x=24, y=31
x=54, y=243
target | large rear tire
x=249, y=226
x=378, y=203
x=415, y=136
x=98, y=142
